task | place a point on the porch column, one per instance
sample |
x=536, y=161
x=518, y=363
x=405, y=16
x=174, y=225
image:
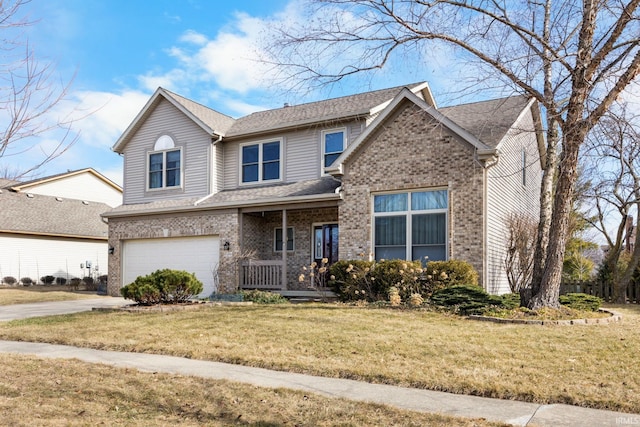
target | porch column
x=285, y=238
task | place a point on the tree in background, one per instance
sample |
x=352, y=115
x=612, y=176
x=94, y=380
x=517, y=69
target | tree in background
x=574, y=58
x=29, y=96
x=613, y=162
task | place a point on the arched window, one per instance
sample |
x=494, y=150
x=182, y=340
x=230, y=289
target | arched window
x=164, y=164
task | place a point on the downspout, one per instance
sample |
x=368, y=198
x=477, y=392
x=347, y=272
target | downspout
x=486, y=159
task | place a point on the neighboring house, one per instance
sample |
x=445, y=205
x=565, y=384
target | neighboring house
x=52, y=225
x=384, y=173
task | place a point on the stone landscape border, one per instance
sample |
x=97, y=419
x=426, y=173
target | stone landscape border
x=614, y=317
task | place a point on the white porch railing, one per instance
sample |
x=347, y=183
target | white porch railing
x=261, y=274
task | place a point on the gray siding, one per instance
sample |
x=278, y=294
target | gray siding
x=302, y=153
x=505, y=178
x=196, y=156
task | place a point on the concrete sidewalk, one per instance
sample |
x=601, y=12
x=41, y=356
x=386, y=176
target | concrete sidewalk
x=507, y=411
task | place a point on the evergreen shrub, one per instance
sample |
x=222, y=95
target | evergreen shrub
x=9, y=280
x=580, y=301
x=163, y=287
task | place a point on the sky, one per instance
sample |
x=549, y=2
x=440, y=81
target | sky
x=116, y=53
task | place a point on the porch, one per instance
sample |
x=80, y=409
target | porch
x=275, y=245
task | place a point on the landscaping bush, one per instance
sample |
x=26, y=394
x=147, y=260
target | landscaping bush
x=60, y=280
x=370, y=281
x=163, y=287
x=582, y=302
x=9, y=280
x=89, y=283
x=26, y=281
x=263, y=297
x=47, y=280
x=510, y=301
x=74, y=283
x=465, y=299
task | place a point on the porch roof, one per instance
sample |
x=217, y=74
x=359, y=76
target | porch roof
x=321, y=189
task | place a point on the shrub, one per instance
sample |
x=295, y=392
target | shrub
x=9, y=280
x=163, y=286
x=263, y=297
x=582, y=302
x=74, y=283
x=89, y=283
x=47, y=280
x=61, y=280
x=26, y=281
x=465, y=299
x=371, y=281
x=510, y=301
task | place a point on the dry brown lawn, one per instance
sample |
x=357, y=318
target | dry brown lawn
x=23, y=295
x=35, y=392
x=587, y=365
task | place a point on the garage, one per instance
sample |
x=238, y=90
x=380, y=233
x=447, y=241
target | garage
x=198, y=255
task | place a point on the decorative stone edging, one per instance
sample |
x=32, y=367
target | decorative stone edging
x=614, y=317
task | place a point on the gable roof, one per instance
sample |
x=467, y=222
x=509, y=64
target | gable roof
x=211, y=121
x=342, y=108
x=482, y=124
x=24, y=186
x=34, y=214
x=488, y=120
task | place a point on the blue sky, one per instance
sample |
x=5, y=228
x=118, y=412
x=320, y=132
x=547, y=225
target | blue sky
x=118, y=52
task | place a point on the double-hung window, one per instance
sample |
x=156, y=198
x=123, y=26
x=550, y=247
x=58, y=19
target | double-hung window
x=260, y=161
x=333, y=142
x=411, y=225
x=164, y=170
x=278, y=239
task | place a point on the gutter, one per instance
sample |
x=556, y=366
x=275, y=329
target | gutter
x=271, y=201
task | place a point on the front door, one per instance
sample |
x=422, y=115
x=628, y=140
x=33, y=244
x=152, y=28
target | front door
x=325, y=243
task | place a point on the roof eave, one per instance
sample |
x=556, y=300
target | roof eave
x=227, y=205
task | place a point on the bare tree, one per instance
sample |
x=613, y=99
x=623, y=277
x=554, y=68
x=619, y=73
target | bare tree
x=574, y=58
x=518, y=262
x=29, y=98
x=613, y=157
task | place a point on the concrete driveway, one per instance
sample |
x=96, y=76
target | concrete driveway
x=23, y=311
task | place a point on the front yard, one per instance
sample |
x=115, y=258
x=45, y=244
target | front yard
x=41, y=293
x=587, y=365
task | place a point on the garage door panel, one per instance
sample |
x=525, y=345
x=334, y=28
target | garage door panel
x=198, y=255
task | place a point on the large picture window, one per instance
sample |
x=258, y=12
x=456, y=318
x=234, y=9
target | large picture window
x=260, y=162
x=333, y=143
x=411, y=225
x=164, y=165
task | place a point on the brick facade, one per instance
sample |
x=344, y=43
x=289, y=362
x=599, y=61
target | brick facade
x=221, y=223
x=413, y=151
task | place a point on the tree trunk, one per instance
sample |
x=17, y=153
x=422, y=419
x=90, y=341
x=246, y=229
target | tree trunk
x=549, y=289
x=546, y=203
x=620, y=286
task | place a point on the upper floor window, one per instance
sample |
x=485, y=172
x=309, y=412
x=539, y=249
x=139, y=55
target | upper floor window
x=261, y=161
x=333, y=142
x=164, y=166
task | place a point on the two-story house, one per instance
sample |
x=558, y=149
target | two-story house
x=247, y=202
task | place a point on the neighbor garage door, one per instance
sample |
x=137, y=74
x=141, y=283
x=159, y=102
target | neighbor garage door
x=198, y=255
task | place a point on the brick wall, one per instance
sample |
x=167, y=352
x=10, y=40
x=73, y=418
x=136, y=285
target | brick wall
x=413, y=151
x=222, y=223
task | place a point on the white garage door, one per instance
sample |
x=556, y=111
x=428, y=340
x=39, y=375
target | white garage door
x=198, y=255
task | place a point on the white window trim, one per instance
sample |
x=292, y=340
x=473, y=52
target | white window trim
x=284, y=241
x=407, y=213
x=322, y=145
x=164, y=169
x=260, y=144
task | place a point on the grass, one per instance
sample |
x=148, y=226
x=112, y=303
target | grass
x=36, y=392
x=41, y=293
x=586, y=365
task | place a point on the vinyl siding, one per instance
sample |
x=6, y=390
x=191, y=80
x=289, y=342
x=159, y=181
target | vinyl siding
x=505, y=178
x=35, y=257
x=302, y=152
x=83, y=186
x=196, y=156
